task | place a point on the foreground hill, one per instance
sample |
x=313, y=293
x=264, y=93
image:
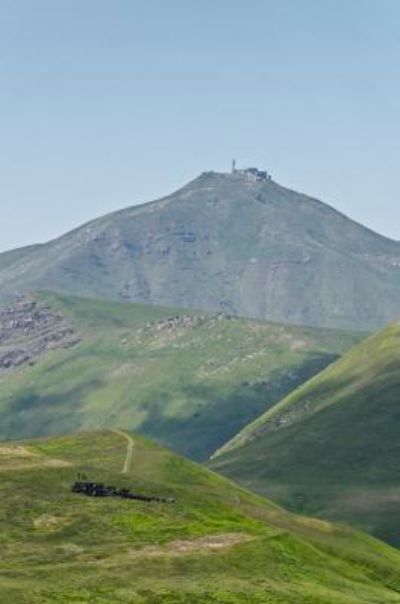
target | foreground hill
x=227, y=242
x=332, y=446
x=191, y=380
x=216, y=543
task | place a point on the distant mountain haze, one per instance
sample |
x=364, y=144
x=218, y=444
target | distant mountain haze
x=230, y=242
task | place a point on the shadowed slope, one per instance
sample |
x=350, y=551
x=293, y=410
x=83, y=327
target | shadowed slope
x=191, y=380
x=332, y=446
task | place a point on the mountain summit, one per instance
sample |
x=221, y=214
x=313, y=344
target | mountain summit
x=236, y=242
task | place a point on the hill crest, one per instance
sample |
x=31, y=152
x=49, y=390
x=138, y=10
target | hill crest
x=190, y=379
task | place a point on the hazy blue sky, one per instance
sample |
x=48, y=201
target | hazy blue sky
x=105, y=104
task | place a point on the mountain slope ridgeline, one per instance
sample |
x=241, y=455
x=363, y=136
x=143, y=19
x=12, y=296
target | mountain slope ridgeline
x=331, y=448
x=189, y=379
x=224, y=242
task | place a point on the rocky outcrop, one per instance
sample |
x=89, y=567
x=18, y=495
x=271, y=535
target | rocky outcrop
x=28, y=329
x=185, y=321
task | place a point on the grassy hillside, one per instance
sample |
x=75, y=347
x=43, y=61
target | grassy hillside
x=216, y=544
x=332, y=446
x=191, y=381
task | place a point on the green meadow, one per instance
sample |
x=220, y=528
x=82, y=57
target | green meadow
x=217, y=543
x=191, y=385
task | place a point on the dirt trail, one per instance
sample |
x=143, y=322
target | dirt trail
x=180, y=547
x=129, y=449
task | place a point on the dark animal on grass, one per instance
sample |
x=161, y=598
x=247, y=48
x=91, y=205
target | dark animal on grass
x=98, y=489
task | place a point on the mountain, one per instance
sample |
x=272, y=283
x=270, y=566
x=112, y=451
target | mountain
x=331, y=447
x=191, y=380
x=206, y=541
x=237, y=243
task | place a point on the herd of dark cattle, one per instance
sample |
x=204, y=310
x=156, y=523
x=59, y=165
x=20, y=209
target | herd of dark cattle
x=98, y=489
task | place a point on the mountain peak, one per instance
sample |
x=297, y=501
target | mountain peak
x=245, y=175
x=236, y=242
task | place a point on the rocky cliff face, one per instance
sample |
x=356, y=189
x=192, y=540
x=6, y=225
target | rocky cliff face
x=28, y=329
x=224, y=242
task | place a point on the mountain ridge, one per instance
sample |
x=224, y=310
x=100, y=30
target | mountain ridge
x=224, y=242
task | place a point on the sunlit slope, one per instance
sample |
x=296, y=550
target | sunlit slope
x=332, y=447
x=216, y=543
x=188, y=379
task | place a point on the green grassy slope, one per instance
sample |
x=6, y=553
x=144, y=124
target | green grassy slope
x=216, y=544
x=332, y=446
x=191, y=386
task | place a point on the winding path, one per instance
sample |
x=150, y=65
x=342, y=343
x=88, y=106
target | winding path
x=129, y=449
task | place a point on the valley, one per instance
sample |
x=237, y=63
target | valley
x=330, y=448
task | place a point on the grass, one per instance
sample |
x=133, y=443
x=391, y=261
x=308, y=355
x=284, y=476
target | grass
x=191, y=388
x=61, y=547
x=331, y=447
